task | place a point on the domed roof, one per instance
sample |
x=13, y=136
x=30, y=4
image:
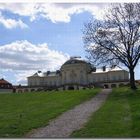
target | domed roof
x=74, y=60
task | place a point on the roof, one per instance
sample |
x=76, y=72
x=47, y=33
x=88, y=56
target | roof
x=108, y=69
x=3, y=81
x=76, y=60
x=48, y=73
x=40, y=74
x=52, y=73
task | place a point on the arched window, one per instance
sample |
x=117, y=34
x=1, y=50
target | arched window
x=73, y=77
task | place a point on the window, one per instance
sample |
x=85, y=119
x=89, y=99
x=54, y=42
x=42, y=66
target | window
x=50, y=83
x=65, y=77
x=104, y=78
x=30, y=83
x=54, y=83
x=101, y=79
x=120, y=77
x=81, y=79
x=34, y=82
x=114, y=78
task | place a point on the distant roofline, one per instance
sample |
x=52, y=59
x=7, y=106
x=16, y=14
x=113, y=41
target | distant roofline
x=98, y=70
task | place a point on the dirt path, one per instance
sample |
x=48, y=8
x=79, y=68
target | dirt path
x=71, y=120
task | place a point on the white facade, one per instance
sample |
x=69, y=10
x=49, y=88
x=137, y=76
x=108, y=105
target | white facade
x=77, y=73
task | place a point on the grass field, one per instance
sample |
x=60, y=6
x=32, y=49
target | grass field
x=20, y=113
x=119, y=117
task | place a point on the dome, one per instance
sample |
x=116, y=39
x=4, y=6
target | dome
x=74, y=60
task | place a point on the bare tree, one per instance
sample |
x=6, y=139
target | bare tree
x=116, y=40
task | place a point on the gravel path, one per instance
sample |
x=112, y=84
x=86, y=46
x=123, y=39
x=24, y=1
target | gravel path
x=71, y=120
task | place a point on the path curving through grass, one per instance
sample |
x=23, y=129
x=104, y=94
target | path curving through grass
x=71, y=120
x=20, y=113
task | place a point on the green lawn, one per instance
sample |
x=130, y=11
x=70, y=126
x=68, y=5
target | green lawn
x=119, y=117
x=20, y=113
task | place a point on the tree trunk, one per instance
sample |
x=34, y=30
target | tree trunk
x=132, y=79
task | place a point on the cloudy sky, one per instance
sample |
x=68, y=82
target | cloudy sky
x=42, y=36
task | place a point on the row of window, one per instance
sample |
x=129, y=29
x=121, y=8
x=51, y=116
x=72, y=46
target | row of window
x=51, y=83
x=5, y=85
x=107, y=78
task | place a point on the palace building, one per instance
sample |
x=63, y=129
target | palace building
x=76, y=74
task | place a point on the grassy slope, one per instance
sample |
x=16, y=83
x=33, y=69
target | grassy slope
x=19, y=113
x=118, y=117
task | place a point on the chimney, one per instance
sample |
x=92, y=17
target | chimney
x=39, y=71
x=113, y=66
x=104, y=68
x=94, y=69
x=48, y=72
x=58, y=71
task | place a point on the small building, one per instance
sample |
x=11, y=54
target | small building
x=5, y=86
x=76, y=74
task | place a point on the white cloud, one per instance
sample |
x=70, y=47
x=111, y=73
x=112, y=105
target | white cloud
x=11, y=23
x=25, y=58
x=55, y=12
